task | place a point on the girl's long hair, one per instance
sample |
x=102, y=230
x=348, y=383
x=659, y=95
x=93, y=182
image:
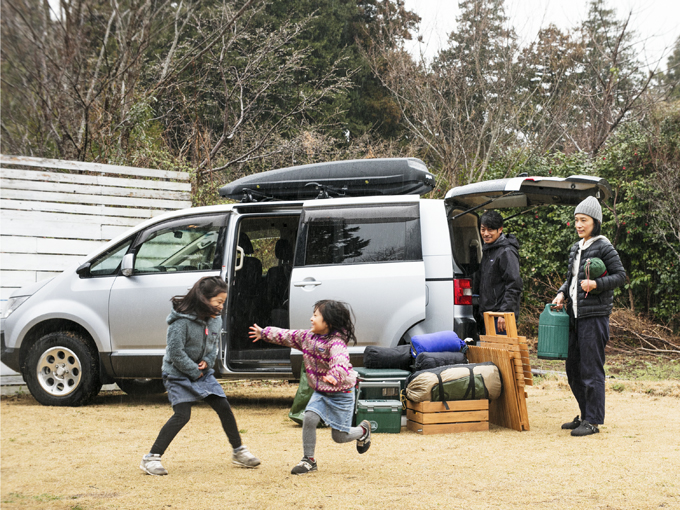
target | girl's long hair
x=197, y=300
x=338, y=316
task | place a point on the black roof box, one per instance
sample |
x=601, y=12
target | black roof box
x=351, y=178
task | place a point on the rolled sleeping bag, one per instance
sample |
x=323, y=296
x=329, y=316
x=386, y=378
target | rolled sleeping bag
x=398, y=357
x=475, y=381
x=428, y=360
x=442, y=341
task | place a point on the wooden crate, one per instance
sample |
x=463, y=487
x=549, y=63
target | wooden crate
x=433, y=417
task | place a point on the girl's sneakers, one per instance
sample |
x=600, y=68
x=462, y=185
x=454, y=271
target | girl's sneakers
x=242, y=457
x=304, y=466
x=151, y=465
x=364, y=442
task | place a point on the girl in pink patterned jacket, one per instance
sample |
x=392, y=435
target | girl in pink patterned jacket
x=329, y=372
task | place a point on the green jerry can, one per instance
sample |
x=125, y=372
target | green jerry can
x=553, y=333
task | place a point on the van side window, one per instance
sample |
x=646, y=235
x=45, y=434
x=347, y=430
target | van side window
x=108, y=263
x=361, y=235
x=188, y=244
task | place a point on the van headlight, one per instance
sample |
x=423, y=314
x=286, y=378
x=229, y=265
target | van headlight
x=13, y=303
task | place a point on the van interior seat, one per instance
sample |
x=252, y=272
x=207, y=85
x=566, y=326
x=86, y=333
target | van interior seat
x=248, y=293
x=278, y=283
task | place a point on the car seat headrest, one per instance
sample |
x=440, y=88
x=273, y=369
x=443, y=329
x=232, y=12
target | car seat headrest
x=283, y=250
x=244, y=242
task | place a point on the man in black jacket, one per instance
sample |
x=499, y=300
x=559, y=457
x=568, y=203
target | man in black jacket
x=500, y=285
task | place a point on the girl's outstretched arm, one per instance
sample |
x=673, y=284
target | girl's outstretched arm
x=255, y=333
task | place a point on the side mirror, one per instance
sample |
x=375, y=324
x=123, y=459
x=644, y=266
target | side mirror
x=83, y=270
x=127, y=266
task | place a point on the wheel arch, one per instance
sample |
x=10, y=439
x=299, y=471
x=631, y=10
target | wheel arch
x=48, y=326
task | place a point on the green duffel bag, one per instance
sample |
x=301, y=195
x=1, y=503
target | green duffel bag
x=474, y=381
x=302, y=396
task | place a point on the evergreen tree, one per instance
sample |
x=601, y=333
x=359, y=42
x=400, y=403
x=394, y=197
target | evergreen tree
x=672, y=77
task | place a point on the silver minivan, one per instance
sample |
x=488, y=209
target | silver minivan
x=403, y=263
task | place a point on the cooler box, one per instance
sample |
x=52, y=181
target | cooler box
x=374, y=376
x=384, y=415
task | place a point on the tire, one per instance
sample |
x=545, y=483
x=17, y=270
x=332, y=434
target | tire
x=141, y=386
x=62, y=369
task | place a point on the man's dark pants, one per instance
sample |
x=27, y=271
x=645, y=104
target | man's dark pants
x=585, y=365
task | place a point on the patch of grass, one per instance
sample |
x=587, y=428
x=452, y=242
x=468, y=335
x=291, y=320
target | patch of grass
x=47, y=497
x=12, y=497
x=618, y=387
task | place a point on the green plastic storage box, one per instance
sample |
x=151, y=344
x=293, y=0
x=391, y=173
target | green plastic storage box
x=384, y=415
x=389, y=376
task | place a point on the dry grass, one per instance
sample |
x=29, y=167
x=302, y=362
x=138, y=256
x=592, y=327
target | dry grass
x=87, y=458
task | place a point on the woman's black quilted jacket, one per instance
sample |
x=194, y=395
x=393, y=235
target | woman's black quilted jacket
x=596, y=304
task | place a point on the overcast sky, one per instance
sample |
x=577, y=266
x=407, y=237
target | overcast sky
x=656, y=22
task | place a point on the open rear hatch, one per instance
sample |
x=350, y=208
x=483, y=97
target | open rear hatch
x=525, y=192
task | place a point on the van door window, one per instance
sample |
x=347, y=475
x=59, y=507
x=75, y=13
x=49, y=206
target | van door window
x=361, y=235
x=108, y=263
x=189, y=244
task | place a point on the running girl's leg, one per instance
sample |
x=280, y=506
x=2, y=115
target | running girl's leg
x=223, y=410
x=172, y=427
x=309, y=424
x=345, y=437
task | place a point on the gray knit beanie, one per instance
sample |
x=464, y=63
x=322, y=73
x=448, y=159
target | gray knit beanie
x=591, y=207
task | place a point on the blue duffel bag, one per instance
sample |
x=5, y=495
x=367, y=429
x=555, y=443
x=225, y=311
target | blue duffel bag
x=442, y=341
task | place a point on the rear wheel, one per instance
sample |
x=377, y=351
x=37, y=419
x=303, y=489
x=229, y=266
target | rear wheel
x=141, y=386
x=62, y=369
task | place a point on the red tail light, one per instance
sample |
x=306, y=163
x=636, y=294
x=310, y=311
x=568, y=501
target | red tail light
x=462, y=292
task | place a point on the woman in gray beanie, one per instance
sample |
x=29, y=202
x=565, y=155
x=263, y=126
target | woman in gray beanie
x=589, y=302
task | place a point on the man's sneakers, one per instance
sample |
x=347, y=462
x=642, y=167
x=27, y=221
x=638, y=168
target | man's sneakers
x=364, y=442
x=571, y=425
x=304, y=466
x=585, y=429
x=151, y=465
x=242, y=457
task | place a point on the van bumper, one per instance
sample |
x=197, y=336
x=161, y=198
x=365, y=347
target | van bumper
x=466, y=327
x=9, y=357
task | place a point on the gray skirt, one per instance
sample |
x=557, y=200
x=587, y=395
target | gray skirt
x=335, y=409
x=183, y=389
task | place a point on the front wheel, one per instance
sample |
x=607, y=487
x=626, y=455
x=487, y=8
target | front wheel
x=141, y=386
x=62, y=369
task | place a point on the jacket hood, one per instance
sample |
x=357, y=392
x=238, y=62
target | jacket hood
x=503, y=240
x=174, y=316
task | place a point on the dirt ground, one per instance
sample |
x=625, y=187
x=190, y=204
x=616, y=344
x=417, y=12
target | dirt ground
x=87, y=458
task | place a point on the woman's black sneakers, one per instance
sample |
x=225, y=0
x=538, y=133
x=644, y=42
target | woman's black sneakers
x=585, y=429
x=572, y=424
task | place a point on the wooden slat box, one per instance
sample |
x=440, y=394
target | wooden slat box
x=433, y=418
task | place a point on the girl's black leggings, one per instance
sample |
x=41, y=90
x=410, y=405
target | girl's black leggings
x=182, y=416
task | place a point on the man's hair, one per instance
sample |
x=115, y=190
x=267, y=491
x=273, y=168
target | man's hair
x=492, y=220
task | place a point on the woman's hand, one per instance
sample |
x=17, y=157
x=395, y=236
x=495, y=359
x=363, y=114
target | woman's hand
x=330, y=380
x=255, y=332
x=202, y=365
x=558, y=301
x=588, y=285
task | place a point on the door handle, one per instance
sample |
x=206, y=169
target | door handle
x=305, y=283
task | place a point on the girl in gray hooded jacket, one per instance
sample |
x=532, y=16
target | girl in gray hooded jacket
x=194, y=328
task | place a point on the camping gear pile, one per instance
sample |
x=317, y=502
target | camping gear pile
x=439, y=384
x=441, y=391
